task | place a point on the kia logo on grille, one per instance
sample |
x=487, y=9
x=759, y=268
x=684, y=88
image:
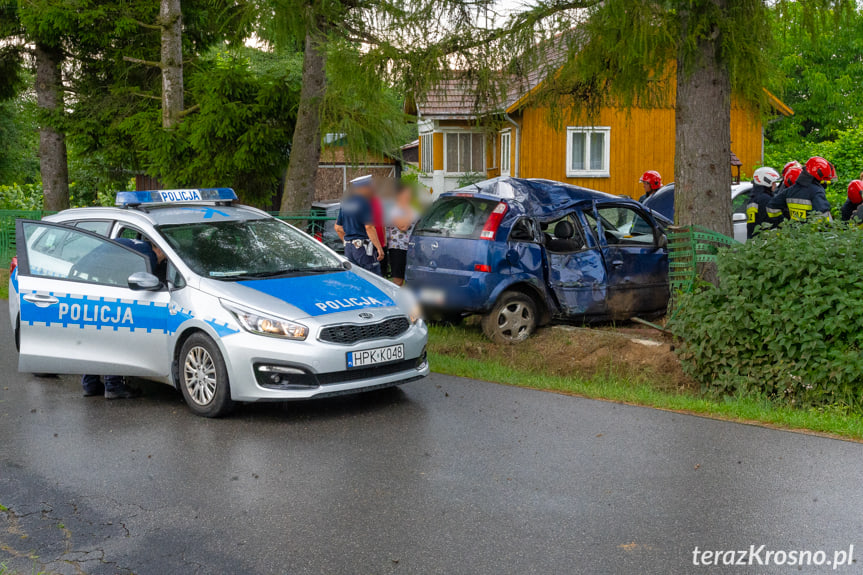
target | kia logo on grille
x=366, y=315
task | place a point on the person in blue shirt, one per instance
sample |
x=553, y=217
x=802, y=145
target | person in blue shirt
x=356, y=228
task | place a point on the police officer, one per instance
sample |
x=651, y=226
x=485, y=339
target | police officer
x=764, y=183
x=356, y=227
x=651, y=181
x=114, y=386
x=805, y=200
x=851, y=207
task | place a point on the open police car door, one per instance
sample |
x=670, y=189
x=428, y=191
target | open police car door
x=79, y=312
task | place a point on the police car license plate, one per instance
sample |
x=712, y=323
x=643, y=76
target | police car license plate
x=368, y=357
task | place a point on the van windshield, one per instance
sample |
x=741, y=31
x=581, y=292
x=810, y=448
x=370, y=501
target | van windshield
x=248, y=249
x=456, y=218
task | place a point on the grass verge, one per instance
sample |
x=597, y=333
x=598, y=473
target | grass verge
x=462, y=351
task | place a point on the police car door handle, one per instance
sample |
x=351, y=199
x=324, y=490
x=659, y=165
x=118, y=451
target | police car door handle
x=40, y=299
x=617, y=263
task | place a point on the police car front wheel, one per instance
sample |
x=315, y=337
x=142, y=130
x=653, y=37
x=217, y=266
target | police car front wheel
x=204, y=378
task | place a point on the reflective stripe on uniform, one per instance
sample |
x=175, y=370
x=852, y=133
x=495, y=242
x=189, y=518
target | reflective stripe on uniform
x=751, y=212
x=798, y=208
x=774, y=213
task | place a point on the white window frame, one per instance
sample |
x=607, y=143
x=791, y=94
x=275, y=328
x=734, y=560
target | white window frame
x=483, y=169
x=605, y=171
x=427, y=152
x=506, y=152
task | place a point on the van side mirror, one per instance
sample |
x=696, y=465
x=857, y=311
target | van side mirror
x=143, y=281
x=738, y=217
x=662, y=242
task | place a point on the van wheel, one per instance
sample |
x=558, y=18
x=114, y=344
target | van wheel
x=204, y=378
x=512, y=319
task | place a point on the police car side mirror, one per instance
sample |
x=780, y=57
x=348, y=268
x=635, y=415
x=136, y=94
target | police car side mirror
x=739, y=217
x=662, y=242
x=143, y=281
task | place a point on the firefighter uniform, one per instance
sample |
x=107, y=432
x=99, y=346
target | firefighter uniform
x=803, y=202
x=756, y=208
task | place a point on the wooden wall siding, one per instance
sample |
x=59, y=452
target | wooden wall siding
x=641, y=140
x=437, y=151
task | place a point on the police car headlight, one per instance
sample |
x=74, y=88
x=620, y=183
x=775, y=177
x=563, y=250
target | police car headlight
x=416, y=312
x=255, y=322
x=408, y=301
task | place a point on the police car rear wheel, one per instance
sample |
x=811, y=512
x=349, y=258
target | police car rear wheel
x=204, y=378
x=513, y=319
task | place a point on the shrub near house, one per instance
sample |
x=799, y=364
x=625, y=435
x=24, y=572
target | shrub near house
x=786, y=321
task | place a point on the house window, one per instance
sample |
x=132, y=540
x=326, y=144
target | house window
x=505, y=148
x=587, y=151
x=427, y=153
x=464, y=153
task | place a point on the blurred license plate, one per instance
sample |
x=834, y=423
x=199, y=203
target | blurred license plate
x=368, y=357
x=431, y=296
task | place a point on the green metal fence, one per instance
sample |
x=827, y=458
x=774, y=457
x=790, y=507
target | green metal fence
x=688, y=247
x=310, y=221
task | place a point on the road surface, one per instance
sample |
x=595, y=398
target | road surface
x=445, y=475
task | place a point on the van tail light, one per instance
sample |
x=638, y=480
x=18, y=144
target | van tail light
x=482, y=268
x=493, y=223
x=13, y=264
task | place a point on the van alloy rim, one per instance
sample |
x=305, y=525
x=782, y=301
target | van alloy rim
x=200, y=374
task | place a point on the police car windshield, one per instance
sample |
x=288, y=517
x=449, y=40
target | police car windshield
x=247, y=249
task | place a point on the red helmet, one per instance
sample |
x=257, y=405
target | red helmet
x=789, y=165
x=820, y=169
x=791, y=176
x=855, y=192
x=653, y=178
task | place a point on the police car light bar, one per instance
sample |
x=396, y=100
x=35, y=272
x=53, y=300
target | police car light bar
x=191, y=196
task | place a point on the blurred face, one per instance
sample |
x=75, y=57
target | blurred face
x=365, y=191
x=646, y=186
x=404, y=197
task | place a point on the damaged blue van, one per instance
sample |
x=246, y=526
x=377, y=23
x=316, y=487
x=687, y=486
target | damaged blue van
x=526, y=252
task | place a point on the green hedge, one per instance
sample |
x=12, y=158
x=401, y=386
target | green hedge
x=786, y=321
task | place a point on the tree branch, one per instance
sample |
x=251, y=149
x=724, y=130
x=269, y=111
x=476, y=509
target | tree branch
x=144, y=62
x=150, y=96
x=148, y=26
x=188, y=111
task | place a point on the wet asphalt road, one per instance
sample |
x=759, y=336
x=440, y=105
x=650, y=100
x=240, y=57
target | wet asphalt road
x=444, y=475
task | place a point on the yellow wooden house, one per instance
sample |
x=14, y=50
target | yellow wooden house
x=607, y=153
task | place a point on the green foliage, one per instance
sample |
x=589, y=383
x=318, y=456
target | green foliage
x=19, y=135
x=239, y=136
x=820, y=75
x=28, y=197
x=785, y=322
x=845, y=151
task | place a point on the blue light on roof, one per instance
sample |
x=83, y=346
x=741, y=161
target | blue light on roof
x=186, y=196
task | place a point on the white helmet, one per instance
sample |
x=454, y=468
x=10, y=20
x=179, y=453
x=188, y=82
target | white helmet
x=765, y=177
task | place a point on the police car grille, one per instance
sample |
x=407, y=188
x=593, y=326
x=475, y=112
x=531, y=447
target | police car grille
x=350, y=333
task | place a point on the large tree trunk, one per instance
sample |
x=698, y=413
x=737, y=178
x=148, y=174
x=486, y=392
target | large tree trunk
x=52, y=142
x=171, y=21
x=299, y=190
x=702, y=155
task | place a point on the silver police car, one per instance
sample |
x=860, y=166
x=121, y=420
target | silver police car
x=247, y=308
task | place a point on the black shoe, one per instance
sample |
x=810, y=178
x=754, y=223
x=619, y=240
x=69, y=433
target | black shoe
x=93, y=392
x=123, y=393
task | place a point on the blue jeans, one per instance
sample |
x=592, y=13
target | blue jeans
x=359, y=257
x=91, y=383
